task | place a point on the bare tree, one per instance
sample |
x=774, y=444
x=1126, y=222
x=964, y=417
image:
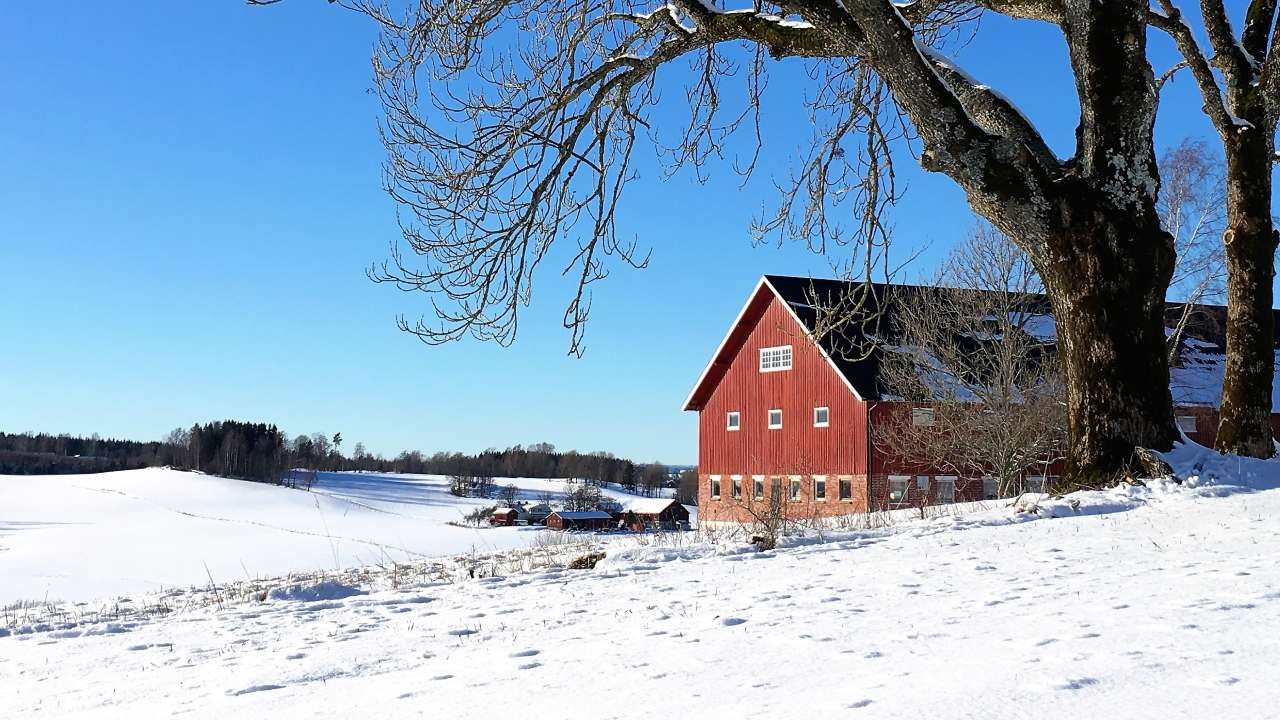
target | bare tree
x=510, y=126
x=1192, y=208
x=973, y=366
x=1239, y=82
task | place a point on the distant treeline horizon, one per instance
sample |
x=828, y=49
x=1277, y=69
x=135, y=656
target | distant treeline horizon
x=262, y=452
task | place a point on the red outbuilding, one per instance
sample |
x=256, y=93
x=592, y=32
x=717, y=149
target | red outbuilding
x=580, y=520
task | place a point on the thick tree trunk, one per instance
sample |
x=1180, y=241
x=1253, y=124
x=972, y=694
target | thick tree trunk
x=1107, y=282
x=1250, y=243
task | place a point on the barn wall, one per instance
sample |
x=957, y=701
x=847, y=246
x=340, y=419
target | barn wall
x=798, y=448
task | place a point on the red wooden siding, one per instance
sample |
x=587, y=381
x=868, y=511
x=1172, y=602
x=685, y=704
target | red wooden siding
x=798, y=448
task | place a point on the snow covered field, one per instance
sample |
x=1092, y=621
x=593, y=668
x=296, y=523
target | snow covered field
x=82, y=537
x=1159, y=602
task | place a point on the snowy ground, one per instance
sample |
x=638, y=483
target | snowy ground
x=83, y=537
x=1160, y=602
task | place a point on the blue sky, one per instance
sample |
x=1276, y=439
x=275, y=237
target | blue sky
x=190, y=195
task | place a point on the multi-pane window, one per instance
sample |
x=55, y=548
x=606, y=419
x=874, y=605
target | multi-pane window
x=946, y=488
x=733, y=421
x=775, y=419
x=846, y=489
x=735, y=487
x=922, y=416
x=990, y=488
x=758, y=487
x=715, y=487
x=821, y=417
x=1034, y=484
x=773, y=359
x=1186, y=423
x=819, y=487
x=793, y=489
x=898, y=488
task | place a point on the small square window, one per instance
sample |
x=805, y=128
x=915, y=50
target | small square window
x=921, y=416
x=735, y=487
x=821, y=417
x=946, y=492
x=846, y=489
x=715, y=487
x=793, y=489
x=775, y=419
x=1187, y=423
x=773, y=359
x=819, y=487
x=990, y=488
x=757, y=487
x=733, y=421
x=1034, y=484
x=898, y=488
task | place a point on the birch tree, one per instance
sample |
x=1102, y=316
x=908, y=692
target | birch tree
x=511, y=126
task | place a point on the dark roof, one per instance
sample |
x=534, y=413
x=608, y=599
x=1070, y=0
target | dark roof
x=857, y=360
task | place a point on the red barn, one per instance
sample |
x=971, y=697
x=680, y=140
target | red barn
x=781, y=415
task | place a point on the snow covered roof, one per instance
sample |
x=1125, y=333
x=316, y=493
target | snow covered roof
x=648, y=506
x=505, y=510
x=1195, y=378
x=582, y=515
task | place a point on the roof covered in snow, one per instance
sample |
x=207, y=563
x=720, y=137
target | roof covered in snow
x=855, y=349
x=648, y=506
x=582, y=515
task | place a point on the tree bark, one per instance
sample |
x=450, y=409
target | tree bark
x=1107, y=283
x=1250, y=245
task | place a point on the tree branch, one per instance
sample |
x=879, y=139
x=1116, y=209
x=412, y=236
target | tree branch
x=1175, y=27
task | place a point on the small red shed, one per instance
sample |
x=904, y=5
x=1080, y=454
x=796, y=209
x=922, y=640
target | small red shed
x=579, y=520
x=504, y=516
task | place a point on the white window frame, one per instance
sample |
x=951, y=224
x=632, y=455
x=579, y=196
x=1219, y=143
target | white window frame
x=906, y=489
x=840, y=482
x=940, y=480
x=715, y=487
x=775, y=359
x=757, y=487
x=826, y=412
x=733, y=421
x=922, y=416
x=819, y=496
x=770, y=418
x=735, y=487
x=1184, y=420
x=795, y=490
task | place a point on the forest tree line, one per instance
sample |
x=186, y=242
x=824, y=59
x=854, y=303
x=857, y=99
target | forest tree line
x=262, y=452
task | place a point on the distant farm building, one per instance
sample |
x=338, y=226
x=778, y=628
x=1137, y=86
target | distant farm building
x=655, y=514
x=538, y=514
x=580, y=520
x=505, y=516
x=786, y=411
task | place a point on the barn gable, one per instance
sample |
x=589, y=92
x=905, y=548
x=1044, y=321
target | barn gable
x=761, y=299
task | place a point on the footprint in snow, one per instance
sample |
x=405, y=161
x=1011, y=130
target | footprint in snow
x=254, y=689
x=1077, y=683
x=295, y=656
x=525, y=653
x=858, y=704
x=529, y=666
x=731, y=621
x=462, y=632
x=442, y=677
